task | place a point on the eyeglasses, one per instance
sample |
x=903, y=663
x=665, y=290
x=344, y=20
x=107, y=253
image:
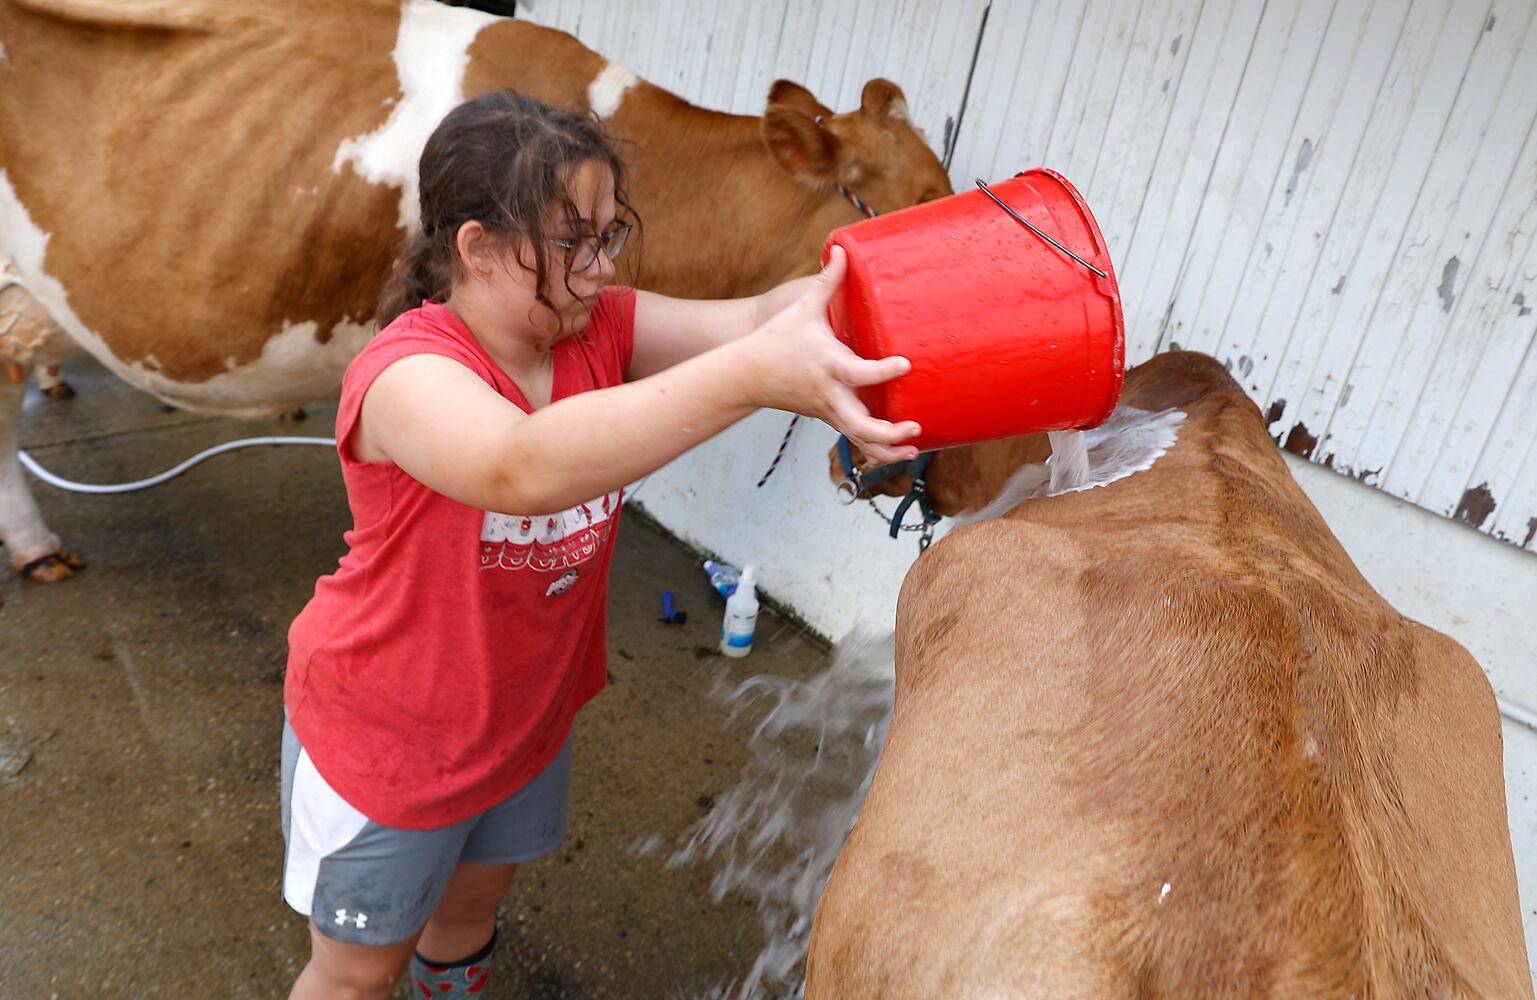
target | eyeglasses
x=582, y=251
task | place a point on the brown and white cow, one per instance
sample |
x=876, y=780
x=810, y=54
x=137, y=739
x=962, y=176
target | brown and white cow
x=1160, y=738
x=206, y=195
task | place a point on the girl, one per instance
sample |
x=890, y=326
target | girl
x=485, y=437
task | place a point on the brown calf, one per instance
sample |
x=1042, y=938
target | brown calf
x=1160, y=738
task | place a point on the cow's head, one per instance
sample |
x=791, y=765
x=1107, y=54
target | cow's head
x=875, y=151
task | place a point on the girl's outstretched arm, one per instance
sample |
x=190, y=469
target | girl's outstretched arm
x=448, y=429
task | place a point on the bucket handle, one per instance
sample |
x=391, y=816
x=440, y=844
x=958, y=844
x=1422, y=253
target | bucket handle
x=1017, y=218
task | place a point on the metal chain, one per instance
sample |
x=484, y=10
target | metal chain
x=881, y=514
x=924, y=540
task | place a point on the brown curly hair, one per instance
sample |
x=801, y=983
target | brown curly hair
x=500, y=159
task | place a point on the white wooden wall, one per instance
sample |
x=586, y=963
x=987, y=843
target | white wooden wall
x=1338, y=198
x=724, y=55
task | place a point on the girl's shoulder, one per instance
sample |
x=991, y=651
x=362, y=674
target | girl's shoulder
x=431, y=328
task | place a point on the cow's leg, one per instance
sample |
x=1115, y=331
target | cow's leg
x=35, y=551
x=52, y=383
x=29, y=338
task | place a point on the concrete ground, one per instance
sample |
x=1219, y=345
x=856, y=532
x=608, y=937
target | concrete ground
x=140, y=708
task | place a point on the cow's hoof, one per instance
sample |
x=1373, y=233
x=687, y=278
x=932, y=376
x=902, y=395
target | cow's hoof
x=52, y=568
x=60, y=390
x=294, y=415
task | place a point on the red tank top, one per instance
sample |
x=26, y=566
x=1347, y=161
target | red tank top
x=439, y=668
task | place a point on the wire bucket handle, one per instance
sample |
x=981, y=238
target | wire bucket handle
x=1019, y=219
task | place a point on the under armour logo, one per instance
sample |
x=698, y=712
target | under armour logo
x=359, y=920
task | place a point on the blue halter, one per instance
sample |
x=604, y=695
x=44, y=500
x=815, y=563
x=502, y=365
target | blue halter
x=857, y=482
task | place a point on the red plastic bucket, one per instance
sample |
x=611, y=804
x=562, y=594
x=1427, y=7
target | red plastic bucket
x=1007, y=334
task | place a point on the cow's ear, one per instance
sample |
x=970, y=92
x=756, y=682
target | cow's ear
x=793, y=95
x=800, y=144
x=883, y=99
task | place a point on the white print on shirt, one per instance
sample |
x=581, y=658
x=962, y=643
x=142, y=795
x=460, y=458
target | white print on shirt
x=551, y=543
x=566, y=582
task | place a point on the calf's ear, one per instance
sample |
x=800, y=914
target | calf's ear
x=883, y=99
x=801, y=146
x=793, y=95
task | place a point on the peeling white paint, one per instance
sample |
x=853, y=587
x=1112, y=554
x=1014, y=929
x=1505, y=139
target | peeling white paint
x=431, y=56
x=606, y=92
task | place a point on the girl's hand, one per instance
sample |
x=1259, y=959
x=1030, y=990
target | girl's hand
x=799, y=364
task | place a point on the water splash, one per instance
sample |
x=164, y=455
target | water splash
x=1069, y=460
x=776, y=835
x=1131, y=441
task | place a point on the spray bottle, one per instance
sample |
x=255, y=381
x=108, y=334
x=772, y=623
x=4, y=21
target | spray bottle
x=722, y=577
x=736, y=633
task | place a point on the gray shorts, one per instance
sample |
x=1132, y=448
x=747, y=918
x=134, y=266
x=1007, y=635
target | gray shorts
x=366, y=883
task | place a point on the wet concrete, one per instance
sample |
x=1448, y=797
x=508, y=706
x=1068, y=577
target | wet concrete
x=140, y=708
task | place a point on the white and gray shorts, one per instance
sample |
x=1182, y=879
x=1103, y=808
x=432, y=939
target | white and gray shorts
x=366, y=883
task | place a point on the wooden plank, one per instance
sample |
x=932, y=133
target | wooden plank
x=893, y=36
x=616, y=31
x=1357, y=246
x=744, y=45
x=1251, y=255
x=1515, y=514
x=1454, y=416
x=1083, y=139
x=1001, y=65
x=758, y=38
x=828, y=56
x=792, y=59
x=1323, y=145
x=1365, y=231
x=850, y=49
x=1252, y=161
x=1068, y=108
x=933, y=89
x=1430, y=270
x=1491, y=430
x=941, y=77
x=1493, y=427
x=1204, y=96
x=923, y=81
x=695, y=40
x=1123, y=170
x=1024, y=146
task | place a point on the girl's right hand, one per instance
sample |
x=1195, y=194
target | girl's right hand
x=798, y=364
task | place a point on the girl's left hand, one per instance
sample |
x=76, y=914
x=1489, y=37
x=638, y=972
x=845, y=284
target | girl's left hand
x=800, y=365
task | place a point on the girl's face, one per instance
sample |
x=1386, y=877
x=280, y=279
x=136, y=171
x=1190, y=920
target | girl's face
x=570, y=244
